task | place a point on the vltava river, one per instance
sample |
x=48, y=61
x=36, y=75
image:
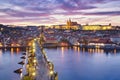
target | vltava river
x=80, y=64
x=9, y=62
x=70, y=63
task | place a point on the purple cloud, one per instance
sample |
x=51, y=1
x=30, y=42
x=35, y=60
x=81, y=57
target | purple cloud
x=113, y=13
x=34, y=9
x=16, y=13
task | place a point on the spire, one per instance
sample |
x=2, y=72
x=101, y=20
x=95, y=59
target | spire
x=110, y=24
x=69, y=20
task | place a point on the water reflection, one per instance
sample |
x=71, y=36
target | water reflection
x=115, y=51
x=8, y=63
x=89, y=51
x=75, y=63
x=97, y=50
x=83, y=50
x=75, y=48
x=62, y=51
x=17, y=50
x=12, y=51
x=0, y=53
x=78, y=49
x=21, y=76
x=112, y=52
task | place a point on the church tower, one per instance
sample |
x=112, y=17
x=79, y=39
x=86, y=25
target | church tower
x=69, y=23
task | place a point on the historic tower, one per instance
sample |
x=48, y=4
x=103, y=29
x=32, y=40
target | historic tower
x=69, y=23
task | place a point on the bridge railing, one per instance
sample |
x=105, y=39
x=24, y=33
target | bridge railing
x=38, y=67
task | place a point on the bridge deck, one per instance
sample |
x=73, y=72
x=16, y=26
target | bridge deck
x=42, y=68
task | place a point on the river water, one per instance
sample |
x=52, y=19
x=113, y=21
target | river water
x=70, y=63
x=81, y=64
x=9, y=62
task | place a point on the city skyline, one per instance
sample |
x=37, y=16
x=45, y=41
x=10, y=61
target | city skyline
x=49, y=12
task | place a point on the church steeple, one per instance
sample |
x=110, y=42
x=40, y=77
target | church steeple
x=69, y=20
x=68, y=24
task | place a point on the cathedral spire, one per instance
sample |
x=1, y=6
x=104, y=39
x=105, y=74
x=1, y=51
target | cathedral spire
x=69, y=20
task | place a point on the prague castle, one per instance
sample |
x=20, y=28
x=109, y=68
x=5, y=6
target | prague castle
x=70, y=25
x=96, y=27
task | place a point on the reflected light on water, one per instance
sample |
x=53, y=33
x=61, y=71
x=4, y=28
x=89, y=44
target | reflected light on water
x=78, y=49
x=12, y=51
x=97, y=50
x=115, y=51
x=18, y=50
x=86, y=65
x=21, y=76
x=62, y=51
x=8, y=64
x=83, y=50
x=90, y=50
x=0, y=52
x=75, y=48
x=101, y=51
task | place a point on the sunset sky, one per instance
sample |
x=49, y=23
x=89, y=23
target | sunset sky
x=47, y=12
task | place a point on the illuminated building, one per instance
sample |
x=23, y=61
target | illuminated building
x=69, y=25
x=75, y=26
x=72, y=25
x=96, y=27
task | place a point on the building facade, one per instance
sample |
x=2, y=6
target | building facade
x=97, y=27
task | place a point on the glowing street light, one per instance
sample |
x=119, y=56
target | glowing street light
x=51, y=72
x=33, y=74
x=34, y=60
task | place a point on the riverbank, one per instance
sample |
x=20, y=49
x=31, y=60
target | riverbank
x=87, y=47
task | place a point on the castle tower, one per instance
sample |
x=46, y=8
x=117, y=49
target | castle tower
x=69, y=23
x=110, y=24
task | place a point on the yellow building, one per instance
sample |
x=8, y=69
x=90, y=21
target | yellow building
x=69, y=25
x=72, y=25
x=96, y=27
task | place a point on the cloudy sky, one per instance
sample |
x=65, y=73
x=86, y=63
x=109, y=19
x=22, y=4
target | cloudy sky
x=47, y=12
